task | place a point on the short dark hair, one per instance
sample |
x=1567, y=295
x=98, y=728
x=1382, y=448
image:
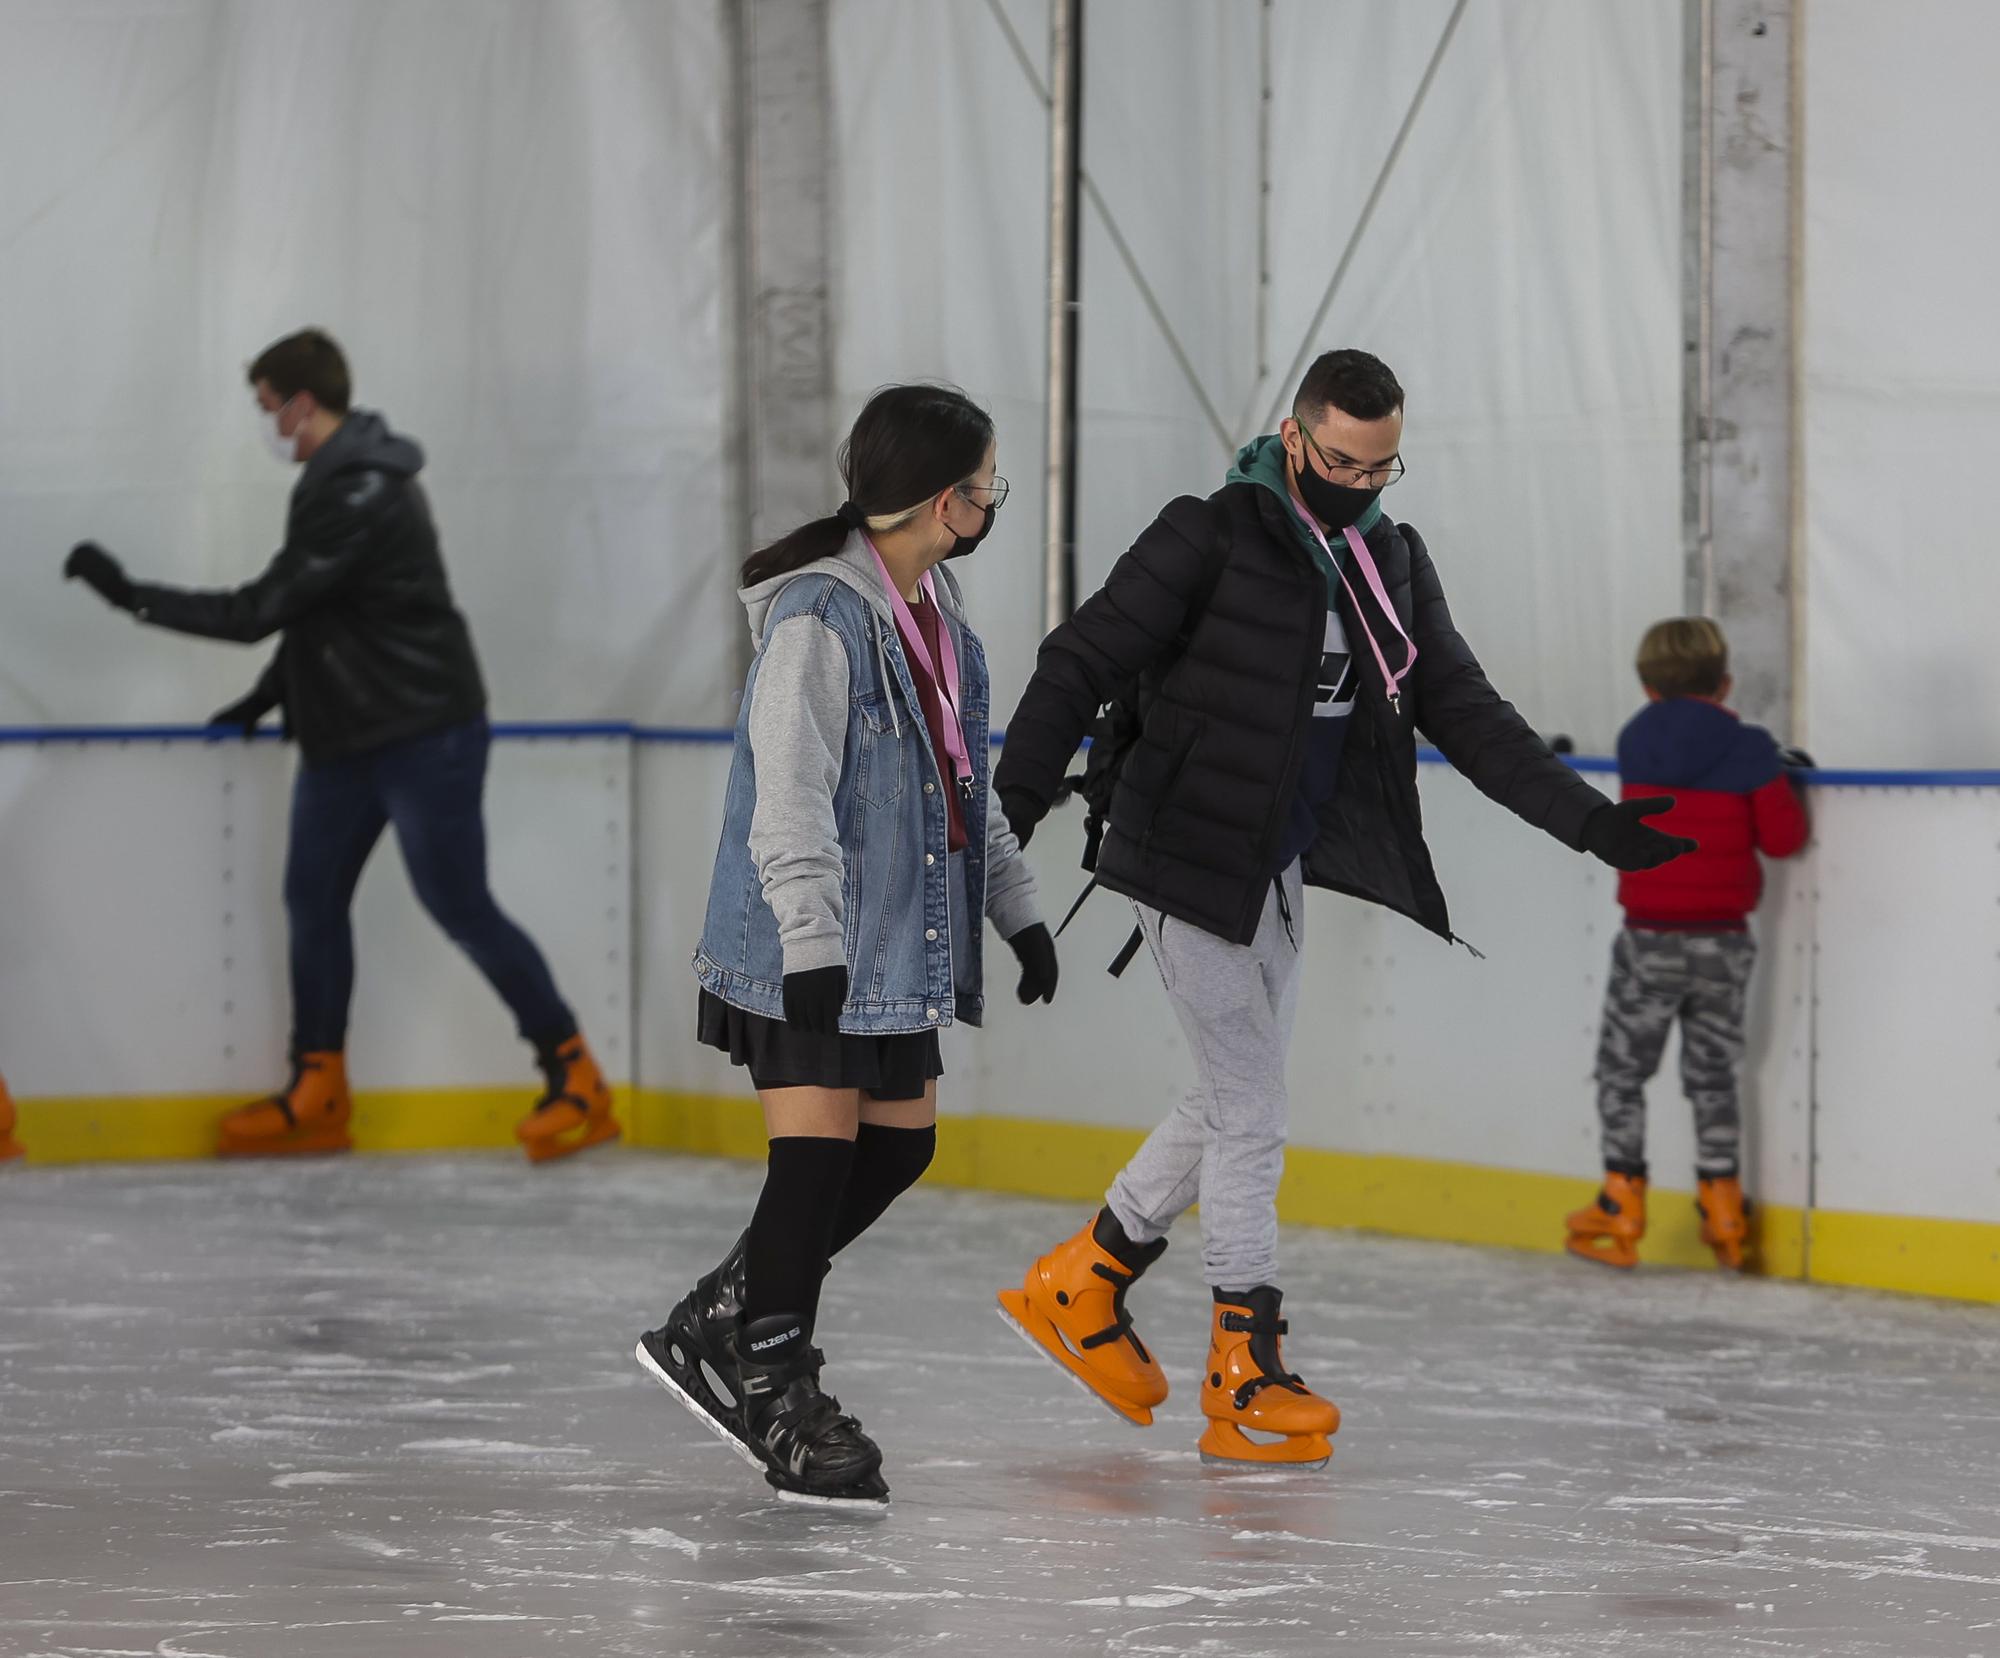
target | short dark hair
x=306, y=361
x=1684, y=656
x=1351, y=381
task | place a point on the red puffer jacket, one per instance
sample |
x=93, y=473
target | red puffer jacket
x=1731, y=796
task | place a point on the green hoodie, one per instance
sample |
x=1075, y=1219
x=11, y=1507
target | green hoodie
x=1262, y=461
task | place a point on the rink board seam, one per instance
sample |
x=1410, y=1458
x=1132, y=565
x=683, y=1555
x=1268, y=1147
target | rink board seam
x=1402, y=1196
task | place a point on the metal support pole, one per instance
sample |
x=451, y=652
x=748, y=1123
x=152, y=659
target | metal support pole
x=1697, y=267
x=1740, y=435
x=781, y=143
x=1065, y=181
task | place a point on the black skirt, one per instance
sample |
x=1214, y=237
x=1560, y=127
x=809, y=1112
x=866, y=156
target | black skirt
x=777, y=1056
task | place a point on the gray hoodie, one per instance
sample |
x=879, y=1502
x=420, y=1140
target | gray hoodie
x=800, y=706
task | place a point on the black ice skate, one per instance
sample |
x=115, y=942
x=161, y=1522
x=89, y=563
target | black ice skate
x=692, y=1355
x=810, y=1451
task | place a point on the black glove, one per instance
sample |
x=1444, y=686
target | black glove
x=1022, y=811
x=241, y=717
x=1796, y=759
x=813, y=1000
x=1619, y=836
x=92, y=565
x=1036, y=952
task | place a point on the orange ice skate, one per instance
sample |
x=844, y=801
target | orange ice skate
x=575, y=1113
x=1247, y=1390
x=1608, y=1231
x=310, y=1117
x=1072, y=1308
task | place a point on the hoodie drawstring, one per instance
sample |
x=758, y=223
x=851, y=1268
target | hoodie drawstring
x=1285, y=911
x=882, y=667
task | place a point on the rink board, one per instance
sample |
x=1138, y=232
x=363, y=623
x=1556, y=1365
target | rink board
x=1434, y=1093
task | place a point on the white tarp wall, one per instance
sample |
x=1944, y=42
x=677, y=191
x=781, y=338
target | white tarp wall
x=1900, y=362
x=512, y=213
x=509, y=212
x=1521, y=274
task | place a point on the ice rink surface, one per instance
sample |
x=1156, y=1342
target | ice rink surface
x=388, y=1406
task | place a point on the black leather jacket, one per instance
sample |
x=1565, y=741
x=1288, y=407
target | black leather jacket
x=374, y=650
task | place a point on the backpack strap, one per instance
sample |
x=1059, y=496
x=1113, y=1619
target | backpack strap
x=1089, y=888
x=1124, y=957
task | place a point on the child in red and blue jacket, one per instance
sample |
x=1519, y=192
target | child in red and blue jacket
x=1686, y=951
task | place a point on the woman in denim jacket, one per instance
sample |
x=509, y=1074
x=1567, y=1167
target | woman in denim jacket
x=861, y=852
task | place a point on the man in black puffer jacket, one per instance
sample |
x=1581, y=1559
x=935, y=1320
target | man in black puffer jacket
x=379, y=685
x=1275, y=650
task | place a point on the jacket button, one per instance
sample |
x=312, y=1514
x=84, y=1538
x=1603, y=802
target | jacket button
x=929, y=859
x=931, y=1014
x=930, y=934
x=930, y=788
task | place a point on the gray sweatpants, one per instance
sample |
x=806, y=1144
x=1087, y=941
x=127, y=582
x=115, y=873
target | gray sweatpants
x=1703, y=980
x=1224, y=1145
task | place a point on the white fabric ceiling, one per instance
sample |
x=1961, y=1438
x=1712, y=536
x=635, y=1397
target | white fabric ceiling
x=1521, y=275
x=509, y=212
x=514, y=214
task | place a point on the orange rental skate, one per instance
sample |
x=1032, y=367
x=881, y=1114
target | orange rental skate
x=1072, y=1308
x=1247, y=1390
x=1608, y=1231
x=9, y=1146
x=1725, y=1221
x=309, y=1118
x=575, y=1113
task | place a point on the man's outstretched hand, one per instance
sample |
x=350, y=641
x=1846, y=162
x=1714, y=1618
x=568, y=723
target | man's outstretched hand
x=241, y=717
x=95, y=568
x=1621, y=837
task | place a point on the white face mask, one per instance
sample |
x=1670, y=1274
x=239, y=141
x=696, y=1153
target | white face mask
x=285, y=448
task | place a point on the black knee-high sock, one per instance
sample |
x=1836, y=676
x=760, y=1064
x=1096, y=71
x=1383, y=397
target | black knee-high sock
x=792, y=1229
x=887, y=1163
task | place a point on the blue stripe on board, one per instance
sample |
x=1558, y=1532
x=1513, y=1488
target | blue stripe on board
x=34, y=735
x=710, y=736
x=688, y=734
x=1901, y=779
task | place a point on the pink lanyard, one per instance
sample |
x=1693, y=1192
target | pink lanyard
x=946, y=681
x=1394, y=681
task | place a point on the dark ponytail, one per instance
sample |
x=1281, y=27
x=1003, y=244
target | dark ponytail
x=908, y=444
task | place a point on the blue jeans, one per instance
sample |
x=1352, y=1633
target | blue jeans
x=431, y=789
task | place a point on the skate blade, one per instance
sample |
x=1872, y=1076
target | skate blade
x=554, y=1147
x=1225, y=1445
x=1138, y=1416
x=1623, y=1257
x=1265, y=1465
x=871, y=1506
x=653, y=1368
x=306, y=1145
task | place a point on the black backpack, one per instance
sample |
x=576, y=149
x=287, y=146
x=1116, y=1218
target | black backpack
x=1111, y=737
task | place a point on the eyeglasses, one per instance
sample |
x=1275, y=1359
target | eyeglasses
x=996, y=493
x=1346, y=470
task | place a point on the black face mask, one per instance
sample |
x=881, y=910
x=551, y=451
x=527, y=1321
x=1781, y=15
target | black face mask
x=1334, y=505
x=966, y=543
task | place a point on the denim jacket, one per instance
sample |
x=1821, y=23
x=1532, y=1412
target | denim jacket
x=834, y=832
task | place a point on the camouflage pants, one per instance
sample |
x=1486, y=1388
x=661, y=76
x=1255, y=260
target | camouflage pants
x=1701, y=979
